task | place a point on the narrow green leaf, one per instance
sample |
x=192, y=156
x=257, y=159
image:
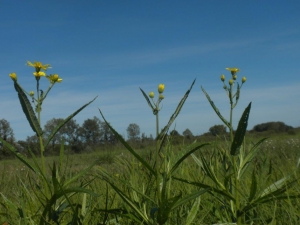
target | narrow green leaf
x=209, y=188
x=185, y=156
x=130, y=203
x=193, y=212
x=80, y=174
x=149, y=103
x=175, y=114
x=210, y=173
x=128, y=147
x=190, y=197
x=18, y=155
x=253, y=188
x=28, y=111
x=241, y=131
x=57, y=128
x=246, y=161
x=216, y=109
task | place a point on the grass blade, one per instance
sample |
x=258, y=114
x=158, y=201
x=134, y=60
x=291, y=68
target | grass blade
x=175, y=114
x=216, y=109
x=57, y=128
x=149, y=103
x=128, y=147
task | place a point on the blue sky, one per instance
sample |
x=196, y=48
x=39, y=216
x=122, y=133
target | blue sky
x=111, y=48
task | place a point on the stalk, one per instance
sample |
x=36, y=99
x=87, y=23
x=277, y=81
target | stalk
x=39, y=102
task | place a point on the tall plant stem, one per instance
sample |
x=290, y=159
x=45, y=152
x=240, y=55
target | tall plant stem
x=39, y=102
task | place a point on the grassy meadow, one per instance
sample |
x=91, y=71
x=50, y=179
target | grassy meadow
x=238, y=178
x=18, y=184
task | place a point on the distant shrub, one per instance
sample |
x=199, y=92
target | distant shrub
x=272, y=126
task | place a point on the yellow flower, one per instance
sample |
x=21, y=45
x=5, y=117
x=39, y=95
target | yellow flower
x=38, y=66
x=233, y=70
x=161, y=88
x=230, y=82
x=222, y=77
x=13, y=76
x=39, y=74
x=54, y=78
x=244, y=79
x=31, y=93
x=151, y=94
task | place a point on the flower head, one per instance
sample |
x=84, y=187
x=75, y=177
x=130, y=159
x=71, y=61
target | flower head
x=39, y=74
x=31, y=93
x=233, y=70
x=54, y=78
x=222, y=77
x=161, y=88
x=38, y=66
x=13, y=76
x=234, y=77
x=244, y=79
x=151, y=94
x=230, y=82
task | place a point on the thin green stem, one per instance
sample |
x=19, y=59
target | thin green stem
x=39, y=103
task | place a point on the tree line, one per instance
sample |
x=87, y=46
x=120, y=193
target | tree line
x=94, y=133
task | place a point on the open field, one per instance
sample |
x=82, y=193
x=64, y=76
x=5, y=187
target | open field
x=20, y=186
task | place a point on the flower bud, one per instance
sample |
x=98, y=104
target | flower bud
x=31, y=93
x=161, y=88
x=161, y=96
x=13, y=76
x=151, y=94
x=55, y=77
x=222, y=77
x=230, y=82
x=244, y=79
x=234, y=77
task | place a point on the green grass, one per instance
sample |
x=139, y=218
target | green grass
x=282, y=150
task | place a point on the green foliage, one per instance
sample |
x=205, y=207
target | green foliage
x=217, y=130
x=272, y=126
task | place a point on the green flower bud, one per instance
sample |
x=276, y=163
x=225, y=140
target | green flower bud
x=161, y=88
x=230, y=82
x=161, y=96
x=31, y=93
x=222, y=77
x=234, y=77
x=244, y=79
x=151, y=94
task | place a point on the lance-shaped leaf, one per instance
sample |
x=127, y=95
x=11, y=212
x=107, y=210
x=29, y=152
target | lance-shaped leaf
x=241, y=131
x=155, y=111
x=59, y=126
x=128, y=147
x=176, y=165
x=18, y=155
x=28, y=111
x=175, y=114
x=216, y=109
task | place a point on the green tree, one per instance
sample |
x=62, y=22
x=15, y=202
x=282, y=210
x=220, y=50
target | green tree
x=187, y=134
x=6, y=132
x=217, y=130
x=133, y=131
x=90, y=132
